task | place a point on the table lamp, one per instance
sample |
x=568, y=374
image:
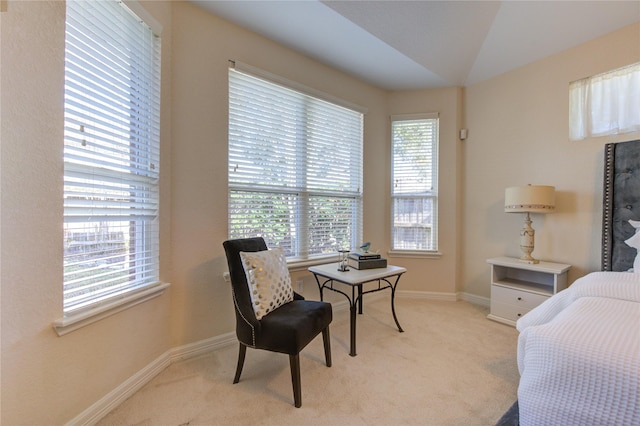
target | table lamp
x=529, y=199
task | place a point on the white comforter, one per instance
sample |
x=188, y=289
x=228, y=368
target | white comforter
x=579, y=354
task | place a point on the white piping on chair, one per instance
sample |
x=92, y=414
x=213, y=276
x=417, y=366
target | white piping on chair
x=253, y=331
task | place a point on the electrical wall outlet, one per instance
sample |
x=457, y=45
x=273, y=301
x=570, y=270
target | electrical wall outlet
x=300, y=286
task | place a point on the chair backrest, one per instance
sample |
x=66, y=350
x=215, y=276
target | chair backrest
x=247, y=325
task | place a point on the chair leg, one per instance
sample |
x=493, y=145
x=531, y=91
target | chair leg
x=241, y=353
x=294, y=362
x=327, y=346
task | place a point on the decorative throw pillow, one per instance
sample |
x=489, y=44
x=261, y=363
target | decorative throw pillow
x=634, y=242
x=268, y=278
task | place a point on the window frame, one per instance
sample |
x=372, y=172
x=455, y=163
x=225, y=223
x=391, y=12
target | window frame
x=137, y=165
x=605, y=104
x=300, y=255
x=432, y=194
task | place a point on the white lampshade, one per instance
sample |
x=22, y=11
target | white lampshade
x=530, y=198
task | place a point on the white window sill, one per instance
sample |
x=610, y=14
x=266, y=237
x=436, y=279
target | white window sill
x=301, y=265
x=72, y=322
x=422, y=254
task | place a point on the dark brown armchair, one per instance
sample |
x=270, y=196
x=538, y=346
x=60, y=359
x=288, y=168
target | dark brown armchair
x=287, y=329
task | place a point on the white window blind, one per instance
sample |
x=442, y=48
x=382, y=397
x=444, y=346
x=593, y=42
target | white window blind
x=605, y=104
x=111, y=154
x=414, y=186
x=295, y=168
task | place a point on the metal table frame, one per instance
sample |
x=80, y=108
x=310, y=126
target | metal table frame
x=355, y=279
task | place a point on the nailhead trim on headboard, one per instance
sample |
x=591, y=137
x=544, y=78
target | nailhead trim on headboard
x=607, y=205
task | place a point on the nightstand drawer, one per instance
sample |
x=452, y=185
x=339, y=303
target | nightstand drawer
x=508, y=312
x=510, y=296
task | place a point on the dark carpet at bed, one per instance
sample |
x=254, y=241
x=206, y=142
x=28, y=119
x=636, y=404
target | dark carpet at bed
x=511, y=417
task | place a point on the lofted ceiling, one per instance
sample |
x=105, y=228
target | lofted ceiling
x=402, y=45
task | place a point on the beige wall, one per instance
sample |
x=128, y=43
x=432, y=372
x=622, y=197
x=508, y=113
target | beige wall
x=47, y=379
x=436, y=275
x=202, y=47
x=517, y=134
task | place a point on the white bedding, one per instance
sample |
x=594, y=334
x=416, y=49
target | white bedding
x=579, y=354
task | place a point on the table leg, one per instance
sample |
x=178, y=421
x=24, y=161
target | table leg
x=359, y=299
x=393, y=305
x=352, y=351
x=320, y=287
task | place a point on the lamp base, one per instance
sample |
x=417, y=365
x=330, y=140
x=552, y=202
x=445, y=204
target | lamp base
x=527, y=237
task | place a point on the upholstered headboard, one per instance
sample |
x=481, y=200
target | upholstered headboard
x=621, y=202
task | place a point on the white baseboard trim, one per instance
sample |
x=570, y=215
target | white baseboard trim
x=202, y=347
x=475, y=299
x=431, y=295
x=340, y=306
x=408, y=294
x=113, y=399
x=502, y=320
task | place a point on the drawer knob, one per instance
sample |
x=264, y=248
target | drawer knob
x=519, y=298
x=519, y=315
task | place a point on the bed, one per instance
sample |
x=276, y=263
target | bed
x=579, y=351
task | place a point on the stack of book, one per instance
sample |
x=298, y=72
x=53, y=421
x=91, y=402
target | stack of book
x=359, y=260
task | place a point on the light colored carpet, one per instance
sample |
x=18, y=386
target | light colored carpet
x=451, y=366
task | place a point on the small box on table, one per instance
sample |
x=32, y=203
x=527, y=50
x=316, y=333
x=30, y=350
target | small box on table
x=358, y=255
x=367, y=263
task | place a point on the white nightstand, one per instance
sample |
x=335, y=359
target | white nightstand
x=518, y=287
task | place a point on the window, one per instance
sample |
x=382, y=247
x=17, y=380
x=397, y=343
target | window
x=295, y=167
x=414, y=185
x=111, y=154
x=605, y=104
